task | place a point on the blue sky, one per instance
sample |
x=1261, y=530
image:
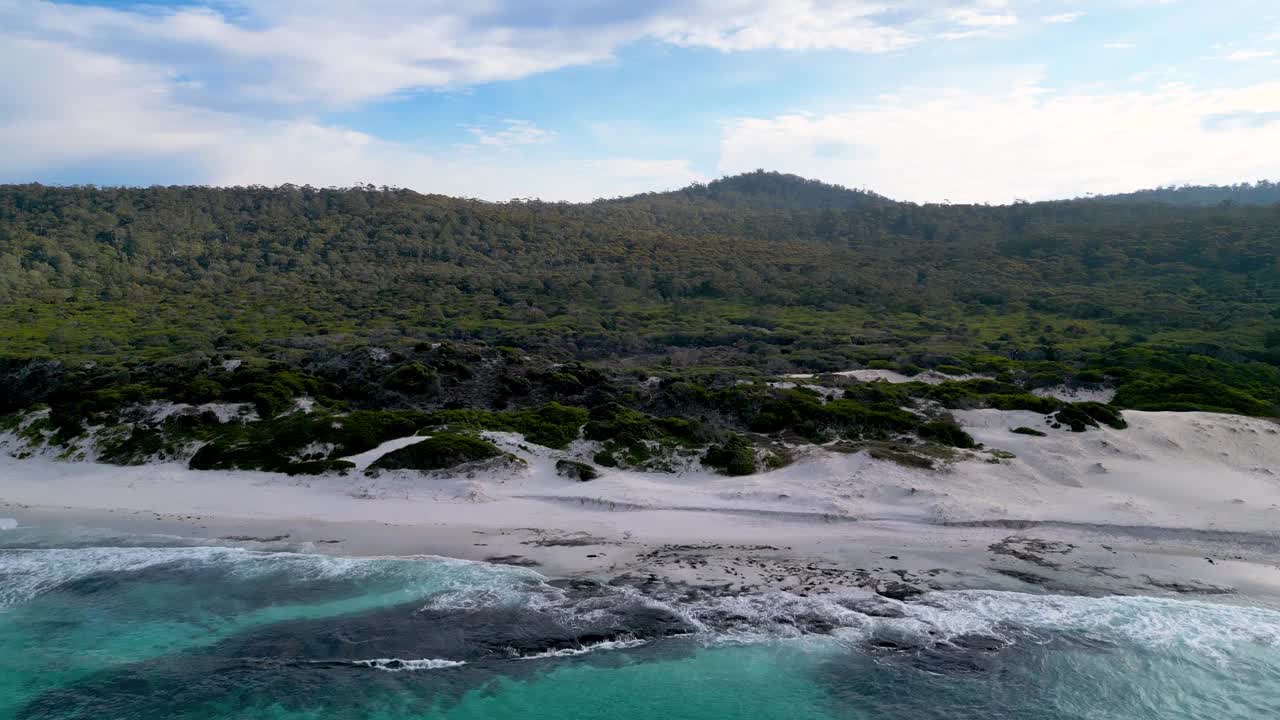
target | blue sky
x=926, y=100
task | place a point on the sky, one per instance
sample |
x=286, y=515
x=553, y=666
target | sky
x=921, y=100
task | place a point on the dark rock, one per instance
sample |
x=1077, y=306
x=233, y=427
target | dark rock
x=575, y=470
x=898, y=590
x=873, y=607
x=515, y=560
x=1026, y=577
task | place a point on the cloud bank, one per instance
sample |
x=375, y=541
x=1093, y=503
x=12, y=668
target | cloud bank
x=236, y=92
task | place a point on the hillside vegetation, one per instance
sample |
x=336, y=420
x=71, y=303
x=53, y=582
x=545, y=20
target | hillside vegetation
x=756, y=274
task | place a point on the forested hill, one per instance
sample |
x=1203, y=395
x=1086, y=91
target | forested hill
x=761, y=270
x=770, y=190
x=1263, y=192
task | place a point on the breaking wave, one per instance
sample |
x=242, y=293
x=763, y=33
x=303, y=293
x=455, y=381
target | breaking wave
x=587, y=616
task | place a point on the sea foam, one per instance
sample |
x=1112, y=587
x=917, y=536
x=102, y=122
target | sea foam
x=398, y=665
x=26, y=573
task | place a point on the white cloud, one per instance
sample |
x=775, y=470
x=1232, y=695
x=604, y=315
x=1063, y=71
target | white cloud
x=316, y=51
x=228, y=93
x=335, y=53
x=657, y=173
x=230, y=96
x=77, y=107
x=1247, y=55
x=1119, y=45
x=511, y=133
x=87, y=109
x=1067, y=17
x=971, y=17
x=795, y=25
x=1023, y=142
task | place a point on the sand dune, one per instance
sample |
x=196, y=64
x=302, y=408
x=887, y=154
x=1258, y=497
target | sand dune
x=1192, y=479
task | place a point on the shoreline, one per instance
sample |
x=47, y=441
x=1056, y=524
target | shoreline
x=1186, y=506
x=898, y=559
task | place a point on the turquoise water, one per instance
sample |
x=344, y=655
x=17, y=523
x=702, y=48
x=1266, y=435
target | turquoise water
x=128, y=631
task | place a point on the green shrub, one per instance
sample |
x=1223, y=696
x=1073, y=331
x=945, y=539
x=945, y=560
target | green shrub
x=1105, y=414
x=736, y=456
x=68, y=420
x=900, y=455
x=552, y=425
x=240, y=456
x=863, y=420
x=635, y=431
x=624, y=425
x=439, y=452
x=1181, y=392
x=1075, y=417
x=1027, y=431
x=365, y=430
x=947, y=432
x=413, y=379
x=202, y=390
x=270, y=400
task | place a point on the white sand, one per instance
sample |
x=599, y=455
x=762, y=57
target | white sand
x=1181, y=474
x=929, y=377
x=1176, y=470
x=1077, y=394
x=363, y=460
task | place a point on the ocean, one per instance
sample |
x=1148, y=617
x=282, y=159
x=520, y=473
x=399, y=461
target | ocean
x=115, y=627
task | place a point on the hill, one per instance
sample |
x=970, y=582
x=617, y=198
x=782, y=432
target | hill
x=762, y=271
x=1264, y=192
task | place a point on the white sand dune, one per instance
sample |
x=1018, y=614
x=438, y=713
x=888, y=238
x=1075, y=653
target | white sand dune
x=929, y=377
x=1186, y=472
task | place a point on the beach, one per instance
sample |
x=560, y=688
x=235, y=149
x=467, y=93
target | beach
x=1175, y=504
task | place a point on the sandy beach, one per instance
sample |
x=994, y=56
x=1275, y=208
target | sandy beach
x=1176, y=504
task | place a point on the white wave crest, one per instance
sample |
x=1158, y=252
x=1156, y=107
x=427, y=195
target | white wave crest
x=26, y=573
x=8, y=524
x=398, y=665
x=619, y=644
x=1211, y=628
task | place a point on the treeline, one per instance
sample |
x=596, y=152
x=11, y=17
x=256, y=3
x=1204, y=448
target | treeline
x=761, y=269
x=1263, y=192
